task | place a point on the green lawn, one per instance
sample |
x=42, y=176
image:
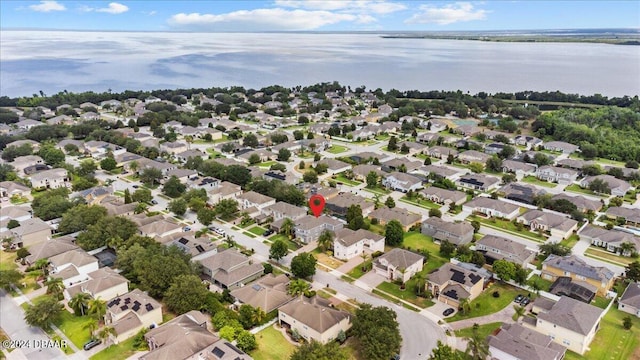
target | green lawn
x=356, y=272
x=344, y=180
x=601, y=302
x=267, y=164
x=292, y=245
x=426, y=204
x=487, y=303
x=337, y=149
x=570, y=241
x=534, y=180
x=257, y=230
x=577, y=189
x=272, y=345
x=509, y=227
x=544, y=283
x=116, y=352
x=378, y=190
x=407, y=294
x=612, y=341
x=74, y=327
x=418, y=241
x=484, y=330
x=611, y=257
x=7, y=260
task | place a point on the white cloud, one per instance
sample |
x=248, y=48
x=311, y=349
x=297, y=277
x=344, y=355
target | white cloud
x=361, y=6
x=269, y=19
x=114, y=8
x=447, y=14
x=46, y=6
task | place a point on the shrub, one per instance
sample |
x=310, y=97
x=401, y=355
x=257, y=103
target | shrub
x=496, y=294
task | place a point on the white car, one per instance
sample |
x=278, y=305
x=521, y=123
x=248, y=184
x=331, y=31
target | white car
x=220, y=231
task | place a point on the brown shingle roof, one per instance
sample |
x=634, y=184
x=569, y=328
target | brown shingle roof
x=314, y=312
x=573, y=315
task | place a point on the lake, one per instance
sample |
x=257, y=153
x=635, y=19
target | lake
x=53, y=61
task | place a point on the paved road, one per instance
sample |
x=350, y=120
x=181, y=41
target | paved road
x=12, y=322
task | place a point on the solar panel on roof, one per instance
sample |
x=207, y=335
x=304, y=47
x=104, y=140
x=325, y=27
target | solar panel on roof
x=136, y=307
x=458, y=276
x=451, y=293
x=217, y=352
x=200, y=248
x=256, y=287
x=149, y=307
x=183, y=241
x=124, y=307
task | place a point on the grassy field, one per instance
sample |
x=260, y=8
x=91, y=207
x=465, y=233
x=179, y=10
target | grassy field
x=74, y=327
x=378, y=190
x=487, y=303
x=356, y=272
x=417, y=241
x=577, y=189
x=257, y=230
x=8, y=260
x=344, y=180
x=116, y=352
x=426, y=204
x=611, y=257
x=272, y=345
x=534, y=180
x=267, y=164
x=571, y=241
x=509, y=227
x=484, y=330
x=337, y=149
x=544, y=284
x=407, y=294
x=612, y=341
x=292, y=245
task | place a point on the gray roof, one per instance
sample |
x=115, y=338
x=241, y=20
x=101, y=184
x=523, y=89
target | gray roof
x=400, y=258
x=405, y=217
x=485, y=202
x=50, y=248
x=573, y=315
x=629, y=214
x=451, y=195
x=459, y=228
x=100, y=280
x=553, y=221
x=580, y=201
x=523, y=343
x=454, y=273
x=267, y=293
x=255, y=198
x=506, y=246
x=309, y=222
x=180, y=338
x=631, y=296
x=575, y=265
x=613, y=237
x=348, y=237
x=126, y=302
x=315, y=313
x=334, y=164
x=77, y=257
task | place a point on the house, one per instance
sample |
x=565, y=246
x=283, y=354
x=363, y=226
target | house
x=368, y=157
x=254, y=199
x=402, y=182
x=404, y=217
x=309, y=228
x=568, y=322
x=492, y=207
x=34, y=144
x=50, y=248
x=164, y=167
x=335, y=166
x=631, y=216
x=575, y=289
x=266, y=293
x=612, y=240
x=28, y=124
x=498, y=248
x=206, y=183
x=30, y=232
x=630, y=300
x=225, y=190
x=10, y=189
x=282, y=210
x=174, y=148
x=314, y=319
x=470, y=156
x=72, y=266
x=516, y=342
x=560, y=146
x=528, y=141
x=439, y=172
x=457, y=233
x=523, y=193
x=129, y=313
x=349, y=244
x=577, y=269
x=21, y=163
x=520, y=168
x=183, y=175
x=478, y=182
x=338, y=205
x=451, y=283
x=396, y=164
x=574, y=164
x=426, y=138
x=398, y=264
x=556, y=174
x=414, y=147
x=184, y=156
x=560, y=227
x=50, y=179
x=188, y=243
x=115, y=206
x=444, y=196
x=618, y=187
x=160, y=228
x=230, y=269
x=583, y=204
x=184, y=337
x=94, y=195
x=360, y=172
x=103, y=283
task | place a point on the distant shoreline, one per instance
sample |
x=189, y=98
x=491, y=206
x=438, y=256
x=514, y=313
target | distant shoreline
x=523, y=39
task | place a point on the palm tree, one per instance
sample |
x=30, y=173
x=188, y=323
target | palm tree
x=55, y=287
x=519, y=312
x=627, y=248
x=465, y=306
x=298, y=287
x=79, y=302
x=92, y=326
x=133, y=166
x=420, y=284
x=106, y=332
x=189, y=140
x=258, y=316
x=287, y=227
x=535, y=285
x=98, y=308
x=477, y=345
x=325, y=240
x=42, y=264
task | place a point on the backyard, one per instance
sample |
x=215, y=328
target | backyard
x=74, y=327
x=486, y=304
x=534, y=180
x=577, y=189
x=272, y=345
x=120, y=351
x=290, y=244
x=507, y=226
x=417, y=241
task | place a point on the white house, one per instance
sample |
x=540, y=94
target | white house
x=349, y=244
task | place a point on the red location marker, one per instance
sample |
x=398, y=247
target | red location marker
x=316, y=203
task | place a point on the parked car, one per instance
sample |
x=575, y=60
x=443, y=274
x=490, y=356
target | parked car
x=448, y=312
x=525, y=301
x=187, y=228
x=220, y=231
x=91, y=344
x=268, y=232
x=154, y=202
x=135, y=186
x=518, y=299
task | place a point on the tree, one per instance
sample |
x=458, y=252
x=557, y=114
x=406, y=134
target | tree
x=476, y=167
x=284, y=155
x=477, y=346
x=9, y=278
x=185, y=294
x=554, y=248
x=507, y=152
x=226, y=208
x=108, y=230
x=278, y=250
x=298, y=135
x=44, y=313
x=394, y=233
x=55, y=287
x=254, y=159
x=354, y=217
x=97, y=308
x=133, y=166
x=86, y=168
x=303, y=265
x=80, y=217
x=287, y=227
x=393, y=144
x=12, y=224
x=178, y=206
x=444, y=352
x=435, y=213
x=250, y=140
x=372, y=179
x=508, y=178
x=310, y=176
x=627, y=322
x=465, y=306
x=316, y=351
x=633, y=271
x=228, y=332
x=506, y=270
x=627, y=248
x=206, y=216
x=298, y=287
x=325, y=240
x=476, y=225
x=127, y=196
x=108, y=163
x=377, y=331
x=494, y=163
x=150, y=176
x=106, y=332
x=519, y=312
x=404, y=149
x=447, y=249
x=42, y=264
x=599, y=186
x=616, y=201
x=246, y=341
x=142, y=195
x=79, y=303
x=51, y=155
x=92, y=326
x=173, y=187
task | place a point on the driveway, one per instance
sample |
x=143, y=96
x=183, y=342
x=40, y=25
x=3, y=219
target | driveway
x=372, y=279
x=351, y=264
x=439, y=308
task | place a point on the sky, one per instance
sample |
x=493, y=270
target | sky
x=317, y=15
